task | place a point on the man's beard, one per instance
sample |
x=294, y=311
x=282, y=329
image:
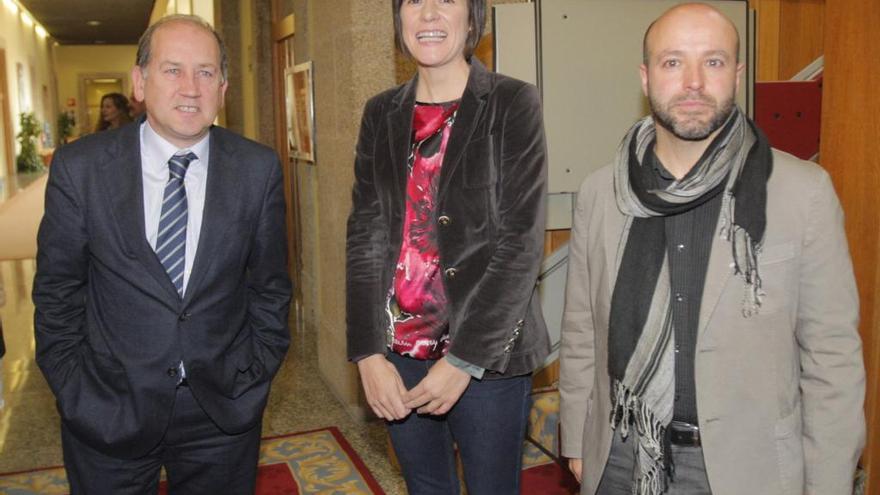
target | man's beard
x=689, y=129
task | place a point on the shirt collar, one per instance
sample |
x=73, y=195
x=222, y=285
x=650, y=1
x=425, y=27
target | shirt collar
x=159, y=150
x=663, y=176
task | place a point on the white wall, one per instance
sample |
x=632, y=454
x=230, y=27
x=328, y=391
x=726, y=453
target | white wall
x=24, y=46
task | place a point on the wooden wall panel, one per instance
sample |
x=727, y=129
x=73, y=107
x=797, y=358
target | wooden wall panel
x=790, y=36
x=801, y=29
x=850, y=151
x=767, y=39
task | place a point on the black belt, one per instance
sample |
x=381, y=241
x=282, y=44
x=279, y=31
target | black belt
x=684, y=434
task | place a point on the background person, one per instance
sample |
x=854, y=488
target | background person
x=114, y=112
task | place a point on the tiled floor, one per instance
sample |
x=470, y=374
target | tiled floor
x=10, y=186
x=29, y=423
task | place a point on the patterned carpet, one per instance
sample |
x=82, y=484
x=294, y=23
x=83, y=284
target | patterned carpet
x=313, y=462
x=543, y=471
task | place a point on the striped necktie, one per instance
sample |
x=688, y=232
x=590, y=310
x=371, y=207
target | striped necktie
x=171, y=242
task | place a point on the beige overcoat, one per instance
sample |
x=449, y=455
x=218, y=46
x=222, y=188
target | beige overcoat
x=779, y=394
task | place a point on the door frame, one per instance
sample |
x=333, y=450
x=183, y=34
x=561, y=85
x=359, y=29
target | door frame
x=6, y=115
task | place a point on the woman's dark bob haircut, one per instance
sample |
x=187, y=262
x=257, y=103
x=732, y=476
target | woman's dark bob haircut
x=476, y=21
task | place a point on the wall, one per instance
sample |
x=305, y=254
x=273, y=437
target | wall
x=351, y=45
x=24, y=46
x=71, y=61
x=790, y=36
x=851, y=154
x=247, y=56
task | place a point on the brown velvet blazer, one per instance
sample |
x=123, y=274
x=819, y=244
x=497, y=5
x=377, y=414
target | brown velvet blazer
x=490, y=222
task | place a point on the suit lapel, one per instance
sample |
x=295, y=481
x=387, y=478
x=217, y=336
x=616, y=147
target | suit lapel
x=469, y=111
x=399, y=132
x=616, y=228
x=221, y=196
x=718, y=272
x=122, y=172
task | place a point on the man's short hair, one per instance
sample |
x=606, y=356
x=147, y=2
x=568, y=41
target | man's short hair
x=476, y=21
x=145, y=46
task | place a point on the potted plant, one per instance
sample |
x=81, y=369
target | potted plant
x=28, y=160
x=66, y=123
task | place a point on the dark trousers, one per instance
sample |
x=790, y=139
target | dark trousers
x=198, y=458
x=488, y=425
x=690, y=470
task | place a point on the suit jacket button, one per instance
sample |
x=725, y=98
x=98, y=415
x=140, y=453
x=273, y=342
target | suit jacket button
x=450, y=272
x=172, y=372
x=184, y=316
x=444, y=220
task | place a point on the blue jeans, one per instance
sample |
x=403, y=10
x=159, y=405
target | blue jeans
x=488, y=424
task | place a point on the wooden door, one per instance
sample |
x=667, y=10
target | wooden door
x=7, y=146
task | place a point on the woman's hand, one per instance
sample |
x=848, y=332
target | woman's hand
x=383, y=387
x=576, y=466
x=439, y=390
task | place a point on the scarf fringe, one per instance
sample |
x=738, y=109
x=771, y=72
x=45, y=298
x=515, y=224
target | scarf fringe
x=745, y=262
x=628, y=408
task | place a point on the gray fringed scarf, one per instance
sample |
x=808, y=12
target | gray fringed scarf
x=641, y=363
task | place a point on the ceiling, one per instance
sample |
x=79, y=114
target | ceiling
x=121, y=22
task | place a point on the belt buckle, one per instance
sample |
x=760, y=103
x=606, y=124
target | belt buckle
x=685, y=433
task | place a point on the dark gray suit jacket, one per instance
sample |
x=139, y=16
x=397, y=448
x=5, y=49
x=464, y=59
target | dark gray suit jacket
x=110, y=327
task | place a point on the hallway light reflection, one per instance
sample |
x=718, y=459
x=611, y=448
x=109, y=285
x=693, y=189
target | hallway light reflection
x=11, y=6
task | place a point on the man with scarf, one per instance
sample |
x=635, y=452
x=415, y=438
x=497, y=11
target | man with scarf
x=710, y=338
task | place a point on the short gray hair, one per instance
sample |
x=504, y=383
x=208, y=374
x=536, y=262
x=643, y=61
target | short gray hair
x=145, y=47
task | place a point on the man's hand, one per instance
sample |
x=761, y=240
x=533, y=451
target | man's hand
x=576, y=466
x=439, y=390
x=383, y=387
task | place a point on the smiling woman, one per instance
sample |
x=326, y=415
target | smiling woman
x=445, y=239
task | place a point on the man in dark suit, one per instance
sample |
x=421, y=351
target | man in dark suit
x=162, y=291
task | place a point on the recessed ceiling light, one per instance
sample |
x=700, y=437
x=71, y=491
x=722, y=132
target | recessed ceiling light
x=12, y=6
x=93, y=23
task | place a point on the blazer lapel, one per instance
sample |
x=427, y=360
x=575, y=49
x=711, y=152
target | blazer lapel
x=399, y=132
x=469, y=111
x=718, y=272
x=221, y=196
x=122, y=172
x=617, y=228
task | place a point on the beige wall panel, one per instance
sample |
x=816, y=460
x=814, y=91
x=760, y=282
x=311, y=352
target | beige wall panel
x=591, y=53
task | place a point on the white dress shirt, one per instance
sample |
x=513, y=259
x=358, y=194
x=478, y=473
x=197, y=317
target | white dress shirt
x=155, y=153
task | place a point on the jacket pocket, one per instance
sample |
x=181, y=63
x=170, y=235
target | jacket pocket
x=790, y=453
x=243, y=370
x=479, y=163
x=776, y=267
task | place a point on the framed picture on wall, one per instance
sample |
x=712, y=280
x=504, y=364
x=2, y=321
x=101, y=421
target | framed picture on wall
x=303, y=111
x=290, y=112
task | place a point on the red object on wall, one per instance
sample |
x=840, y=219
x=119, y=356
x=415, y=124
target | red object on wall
x=789, y=113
